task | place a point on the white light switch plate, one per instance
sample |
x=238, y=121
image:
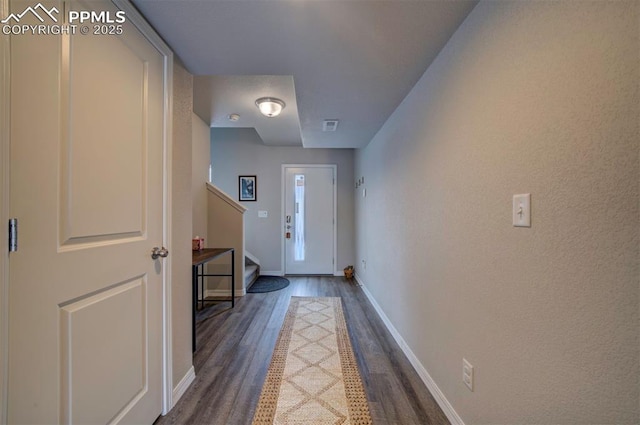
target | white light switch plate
x=263, y=214
x=522, y=210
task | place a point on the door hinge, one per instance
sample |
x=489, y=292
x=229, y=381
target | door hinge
x=13, y=235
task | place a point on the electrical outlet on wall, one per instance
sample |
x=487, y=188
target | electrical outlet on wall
x=467, y=374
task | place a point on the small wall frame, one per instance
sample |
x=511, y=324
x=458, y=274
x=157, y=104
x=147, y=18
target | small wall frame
x=247, y=188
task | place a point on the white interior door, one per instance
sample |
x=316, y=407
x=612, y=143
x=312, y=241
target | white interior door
x=85, y=296
x=309, y=219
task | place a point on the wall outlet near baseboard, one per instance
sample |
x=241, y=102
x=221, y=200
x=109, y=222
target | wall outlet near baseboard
x=467, y=374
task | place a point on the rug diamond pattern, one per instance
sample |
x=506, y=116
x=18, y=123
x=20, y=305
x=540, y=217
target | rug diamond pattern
x=317, y=306
x=314, y=333
x=315, y=318
x=313, y=412
x=313, y=353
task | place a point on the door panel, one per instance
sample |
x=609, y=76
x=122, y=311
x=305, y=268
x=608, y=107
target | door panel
x=309, y=198
x=86, y=186
x=119, y=350
x=88, y=132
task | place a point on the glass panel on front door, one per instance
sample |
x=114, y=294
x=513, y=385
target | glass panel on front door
x=298, y=199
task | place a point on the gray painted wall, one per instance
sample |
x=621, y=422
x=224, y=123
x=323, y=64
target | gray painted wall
x=237, y=152
x=526, y=97
x=200, y=158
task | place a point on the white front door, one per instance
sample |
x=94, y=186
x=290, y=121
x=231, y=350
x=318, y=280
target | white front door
x=85, y=296
x=309, y=219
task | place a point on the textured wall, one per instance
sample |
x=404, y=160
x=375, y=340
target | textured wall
x=200, y=157
x=538, y=97
x=181, y=221
x=237, y=152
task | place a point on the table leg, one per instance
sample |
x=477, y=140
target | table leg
x=233, y=278
x=194, y=291
x=202, y=278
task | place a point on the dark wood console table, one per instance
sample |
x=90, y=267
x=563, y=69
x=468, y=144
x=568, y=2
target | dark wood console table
x=199, y=259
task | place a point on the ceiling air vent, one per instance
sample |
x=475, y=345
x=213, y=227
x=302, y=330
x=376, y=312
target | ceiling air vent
x=330, y=125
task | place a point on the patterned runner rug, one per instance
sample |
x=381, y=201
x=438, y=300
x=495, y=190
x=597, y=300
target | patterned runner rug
x=313, y=377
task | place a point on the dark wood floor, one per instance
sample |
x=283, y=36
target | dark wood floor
x=235, y=346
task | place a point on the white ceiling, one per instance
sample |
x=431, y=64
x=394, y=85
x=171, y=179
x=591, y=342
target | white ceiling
x=216, y=97
x=352, y=60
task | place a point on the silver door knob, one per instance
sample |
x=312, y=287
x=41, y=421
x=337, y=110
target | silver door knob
x=159, y=252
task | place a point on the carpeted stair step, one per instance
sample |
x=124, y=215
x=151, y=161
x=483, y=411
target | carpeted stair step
x=251, y=273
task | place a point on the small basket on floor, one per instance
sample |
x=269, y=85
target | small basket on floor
x=348, y=272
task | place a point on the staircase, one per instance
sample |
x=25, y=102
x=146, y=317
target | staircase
x=251, y=269
x=225, y=228
x=225, y=224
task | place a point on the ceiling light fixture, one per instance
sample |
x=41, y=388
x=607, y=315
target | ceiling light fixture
x=270, y=106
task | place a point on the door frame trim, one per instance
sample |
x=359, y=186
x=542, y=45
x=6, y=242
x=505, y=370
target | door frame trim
x=5, y=106
x=167, y=344
x=283, y=209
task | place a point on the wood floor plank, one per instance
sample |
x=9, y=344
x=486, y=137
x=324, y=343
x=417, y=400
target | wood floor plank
x=235, y=346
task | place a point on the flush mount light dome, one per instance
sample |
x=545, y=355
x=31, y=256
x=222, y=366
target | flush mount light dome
x=270, y=106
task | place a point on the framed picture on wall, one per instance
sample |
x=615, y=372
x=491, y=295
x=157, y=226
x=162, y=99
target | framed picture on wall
x=247, y=188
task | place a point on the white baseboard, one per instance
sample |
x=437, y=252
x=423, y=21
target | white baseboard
x=223, y=293
x=183, y=385
x=281, y=273
x=442, y=401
